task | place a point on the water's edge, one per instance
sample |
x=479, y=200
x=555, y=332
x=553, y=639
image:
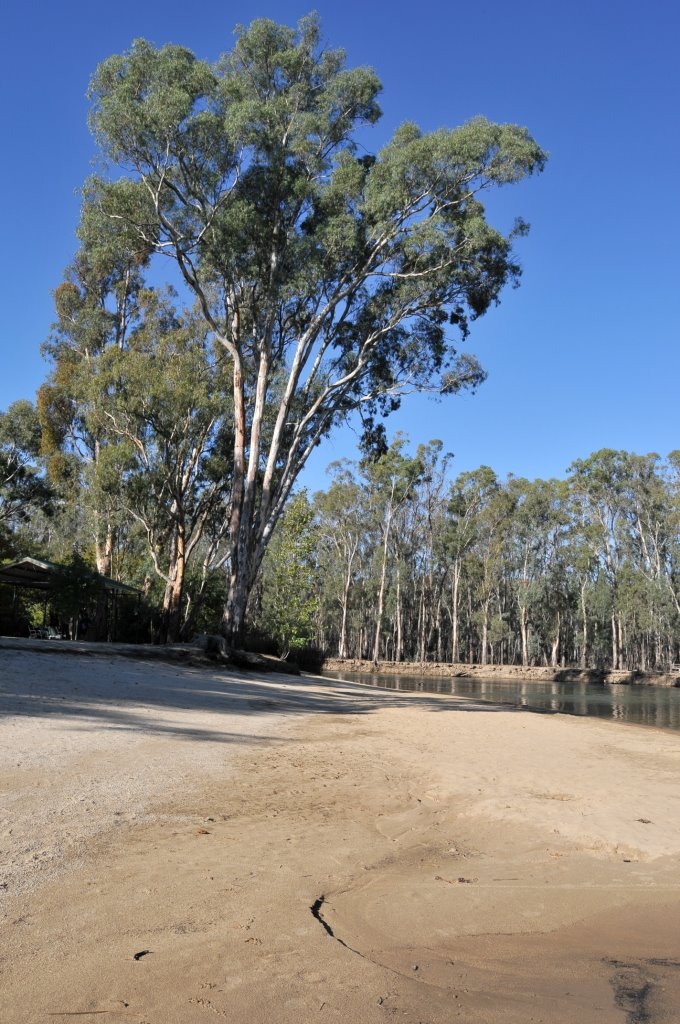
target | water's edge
x=657, y=706
x=502, y=673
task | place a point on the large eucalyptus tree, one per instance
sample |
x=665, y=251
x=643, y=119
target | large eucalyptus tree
x=333, y=281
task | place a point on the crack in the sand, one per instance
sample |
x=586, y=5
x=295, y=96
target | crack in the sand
x=316, y=913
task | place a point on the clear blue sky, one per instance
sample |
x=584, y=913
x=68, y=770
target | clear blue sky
x=585, y=354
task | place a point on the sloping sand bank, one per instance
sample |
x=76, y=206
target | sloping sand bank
x=293, y=850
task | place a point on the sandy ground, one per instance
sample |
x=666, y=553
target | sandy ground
x=294, y=850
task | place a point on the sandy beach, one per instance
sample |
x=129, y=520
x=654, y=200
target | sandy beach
x=180, y=845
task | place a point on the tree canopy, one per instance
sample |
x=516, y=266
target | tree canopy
x=22, y=487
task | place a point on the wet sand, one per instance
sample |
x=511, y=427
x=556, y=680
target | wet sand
x=296, y=850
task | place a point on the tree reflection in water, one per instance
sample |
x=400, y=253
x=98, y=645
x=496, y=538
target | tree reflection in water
x=658, y=706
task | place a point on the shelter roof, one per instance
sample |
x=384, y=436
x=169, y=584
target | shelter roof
x=38, y=575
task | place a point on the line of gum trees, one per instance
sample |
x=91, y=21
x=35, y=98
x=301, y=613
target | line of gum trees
x=582, y=571
x=315, y=282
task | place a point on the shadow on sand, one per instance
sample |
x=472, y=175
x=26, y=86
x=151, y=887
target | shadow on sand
x=144, y=696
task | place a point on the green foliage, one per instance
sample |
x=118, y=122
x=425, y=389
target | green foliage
x=135, y=419
x=289, y=579
x=23, y=489
x=160, y=403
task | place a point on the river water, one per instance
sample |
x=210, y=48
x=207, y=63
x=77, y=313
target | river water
x=641, y=705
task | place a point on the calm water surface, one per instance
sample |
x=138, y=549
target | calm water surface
x=642, y=705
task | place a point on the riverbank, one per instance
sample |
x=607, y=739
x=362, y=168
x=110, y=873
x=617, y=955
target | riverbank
x=204, y=650
x=529, y=674
x=181, y=845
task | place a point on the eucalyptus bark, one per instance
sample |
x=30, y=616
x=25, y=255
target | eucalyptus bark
x=103, y=547
x=399, y=653
x=455, y=614
x=584, y=634
x=524, y=633
x=172, y=605
x=555, y=646
x=347, y=583
x=381, y=590
x=421, y=623
x=485, y=632
x=342, y=642
x=438, y=626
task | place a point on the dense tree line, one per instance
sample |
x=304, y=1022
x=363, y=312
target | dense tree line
x=396, y=560
x=582, y=571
